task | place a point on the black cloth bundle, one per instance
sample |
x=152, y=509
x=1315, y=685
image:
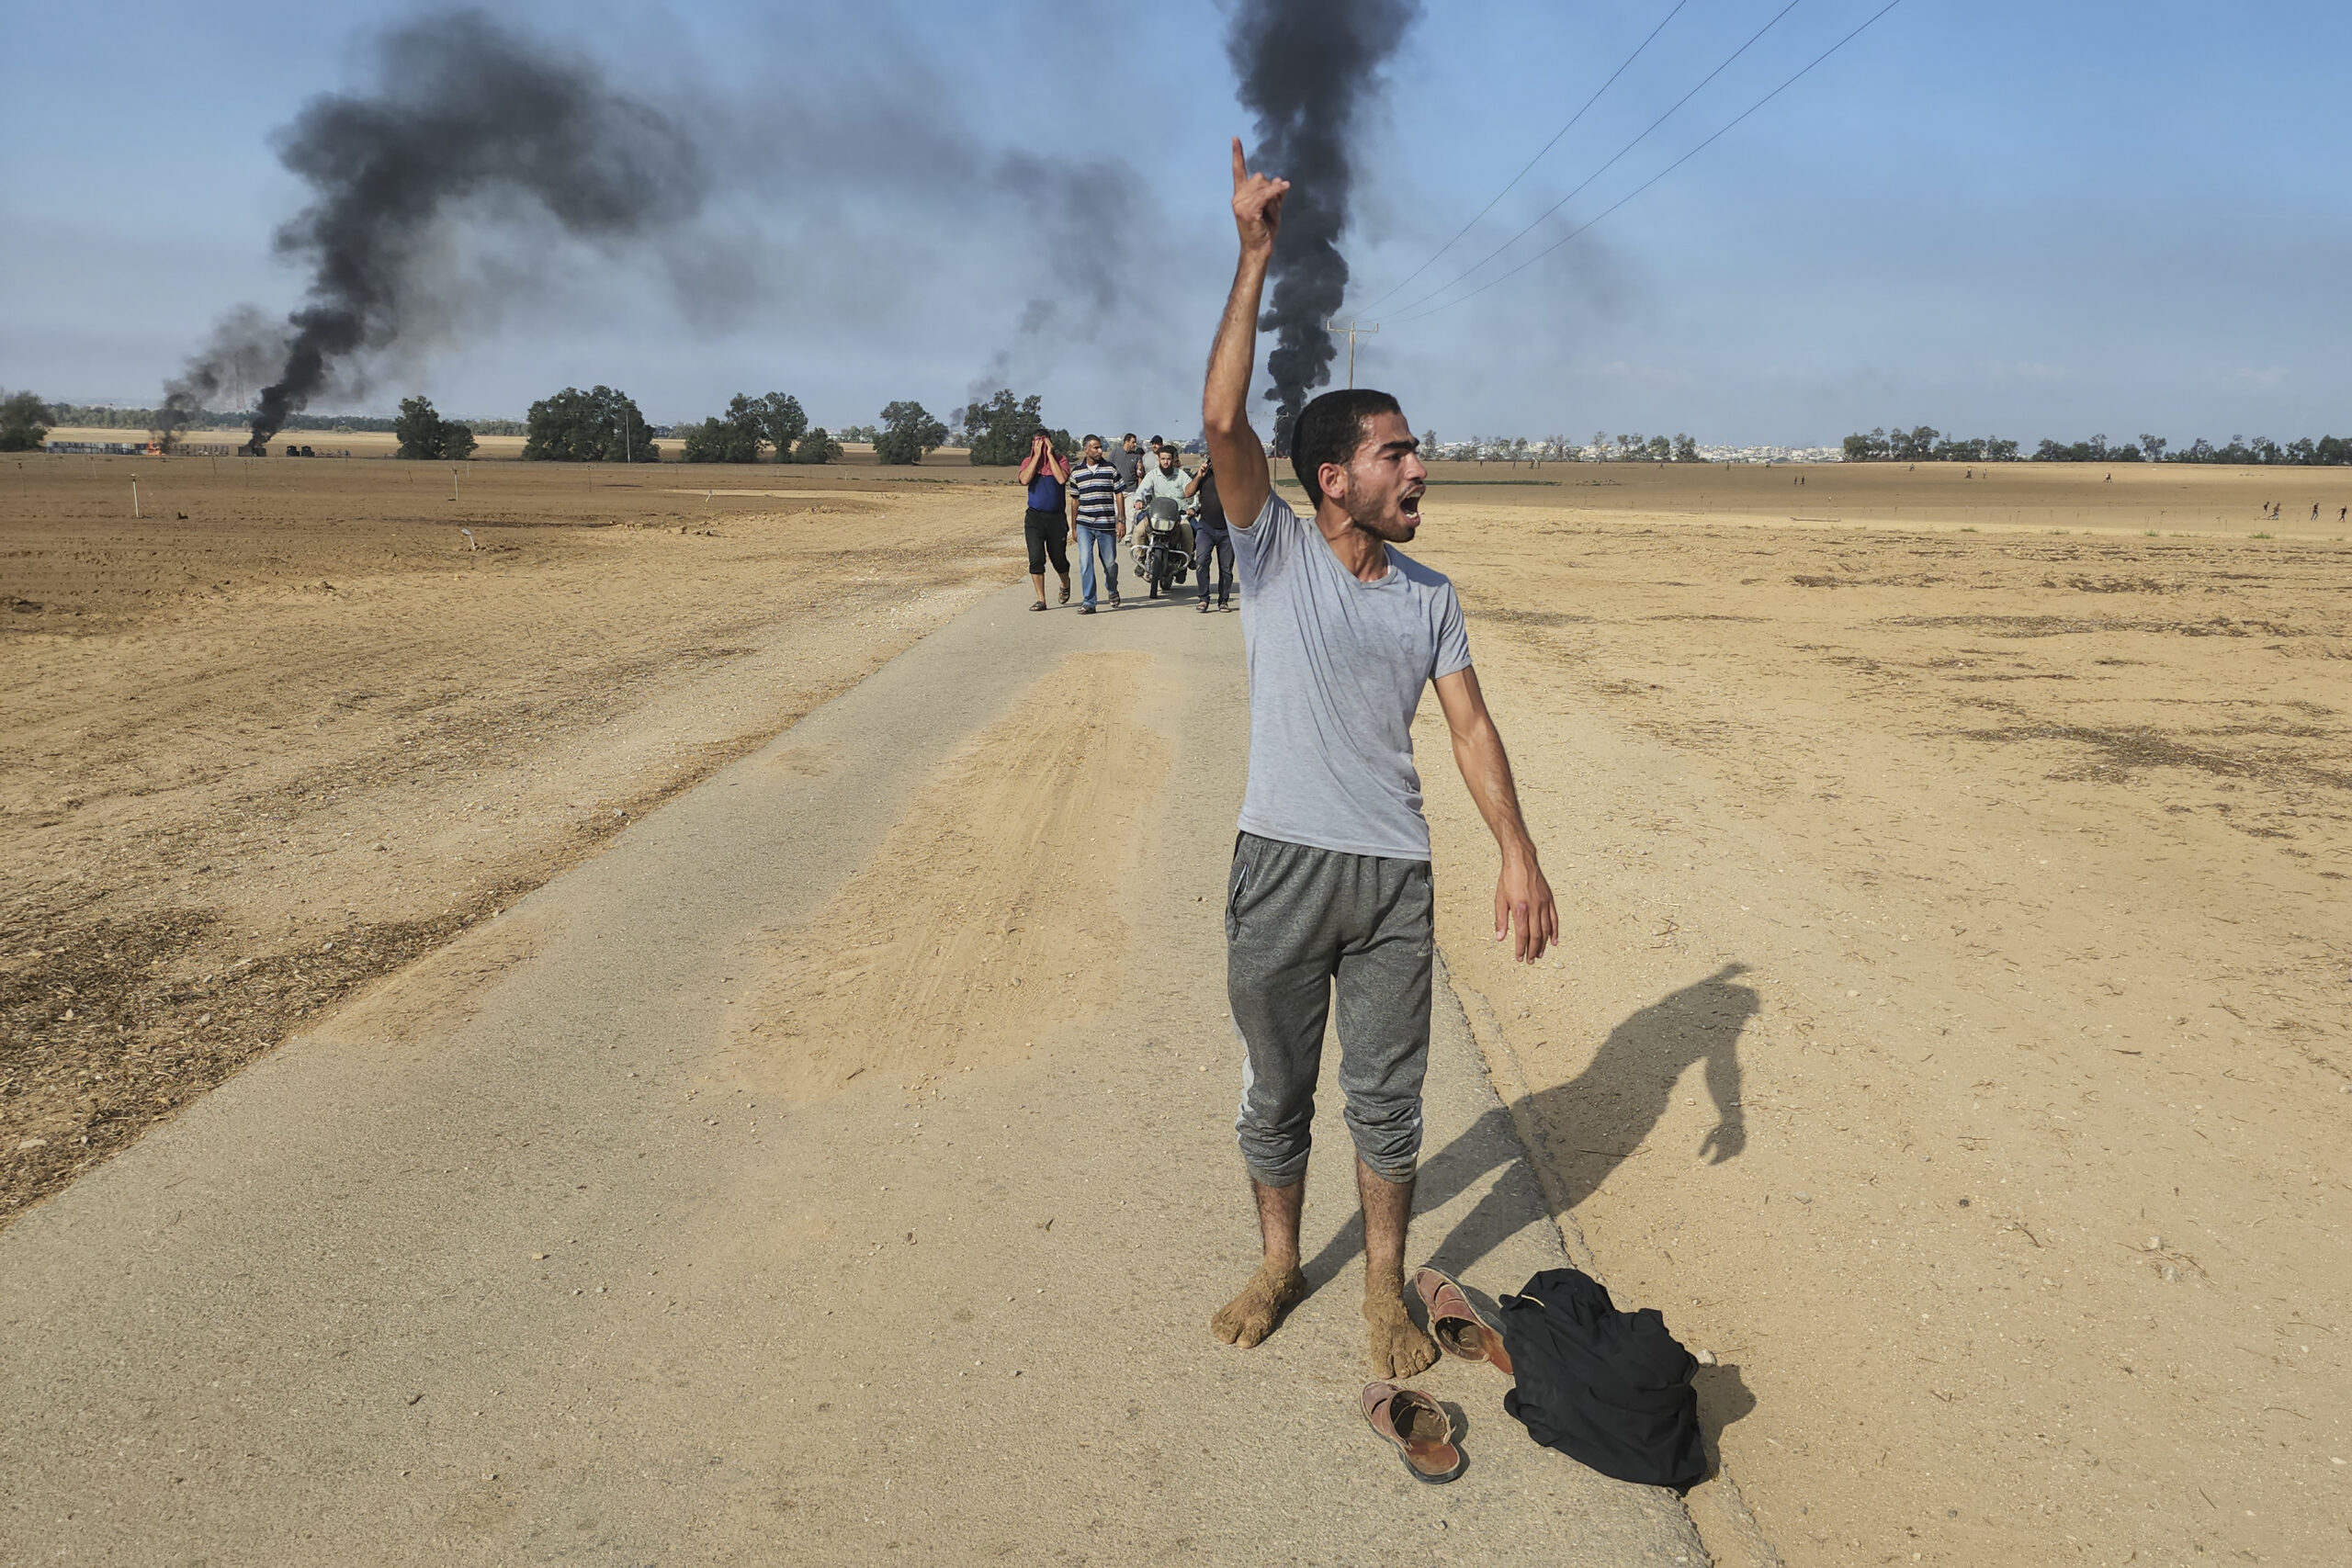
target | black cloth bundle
x=1609, y=1389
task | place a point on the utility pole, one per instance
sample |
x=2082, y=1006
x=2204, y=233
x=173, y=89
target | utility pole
x=1350, y=330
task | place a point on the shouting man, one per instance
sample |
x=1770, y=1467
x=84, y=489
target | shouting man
x=1330, y=880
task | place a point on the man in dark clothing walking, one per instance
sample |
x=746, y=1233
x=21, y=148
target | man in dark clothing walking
x=1212, y=542
x=1128, y=459
x=1046, y=527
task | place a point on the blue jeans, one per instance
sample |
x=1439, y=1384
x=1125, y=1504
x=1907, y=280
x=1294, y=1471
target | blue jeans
x=1094, y=541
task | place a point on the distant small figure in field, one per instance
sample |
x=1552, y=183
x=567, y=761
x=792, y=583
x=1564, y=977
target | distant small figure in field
x=2339, y=513
x=2107, y=479
x=1969, y=475
x=2315, y=510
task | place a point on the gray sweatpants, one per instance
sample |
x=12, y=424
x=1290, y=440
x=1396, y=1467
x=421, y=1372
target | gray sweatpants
x=1299, y=920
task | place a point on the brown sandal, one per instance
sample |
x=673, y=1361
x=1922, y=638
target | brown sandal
x=1455, y=1324
x=1419, y=1426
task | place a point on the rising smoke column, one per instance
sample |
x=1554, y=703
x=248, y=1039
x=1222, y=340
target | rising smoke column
x=465, y=109
x=1306, y=68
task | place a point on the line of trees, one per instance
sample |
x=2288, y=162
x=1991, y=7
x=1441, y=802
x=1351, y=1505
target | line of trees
x=1925, y=443
x=24, y=421
x=97, y=416
x=424, y=434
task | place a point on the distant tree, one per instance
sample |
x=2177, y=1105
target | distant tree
x=781, y=421
x=600, y=425
x=24, y=421
x=424, y=434
x=908, y=434
x=816, y=447
x=1872, y=448
x=865, y=432
x=1657, y=449
x=1686, y=450
x=2153, y=445
x=998, y=431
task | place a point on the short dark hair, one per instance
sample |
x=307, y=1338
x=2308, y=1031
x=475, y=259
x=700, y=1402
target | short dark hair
x=1130, y=436
x=1331, y=430
x=1091, y=437
x=1156, y=441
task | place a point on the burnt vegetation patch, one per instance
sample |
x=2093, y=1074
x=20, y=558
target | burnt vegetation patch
x=2118, y=755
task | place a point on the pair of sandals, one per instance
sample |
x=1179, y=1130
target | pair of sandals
x=1413, y=1422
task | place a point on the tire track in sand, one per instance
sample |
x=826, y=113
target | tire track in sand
x=990, y=912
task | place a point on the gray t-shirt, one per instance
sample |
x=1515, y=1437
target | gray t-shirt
x=1337, y=666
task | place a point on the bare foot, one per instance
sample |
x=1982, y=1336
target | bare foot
x=1399, y=1348
x=1252, y=1316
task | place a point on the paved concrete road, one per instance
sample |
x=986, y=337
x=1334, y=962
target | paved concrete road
x=525, y=1265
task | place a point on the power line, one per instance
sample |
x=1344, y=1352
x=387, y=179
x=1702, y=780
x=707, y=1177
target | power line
x=1538, y=158
x=1612, y=162
x=1646, y=185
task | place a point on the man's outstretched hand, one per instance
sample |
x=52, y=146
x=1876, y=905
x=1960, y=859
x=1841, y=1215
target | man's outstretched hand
x=1525, y=911
x=1257, y=205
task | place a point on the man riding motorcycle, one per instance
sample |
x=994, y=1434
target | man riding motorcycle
x=1163, y=541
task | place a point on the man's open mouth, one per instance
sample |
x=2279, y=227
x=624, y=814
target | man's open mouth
x=1411, y=506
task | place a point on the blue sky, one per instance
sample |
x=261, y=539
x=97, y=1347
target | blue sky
x=1993, y=217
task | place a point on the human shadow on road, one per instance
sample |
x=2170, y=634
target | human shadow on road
x=1587, y=1127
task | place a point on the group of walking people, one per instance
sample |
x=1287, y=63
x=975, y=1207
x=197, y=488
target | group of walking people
x=1172, y=515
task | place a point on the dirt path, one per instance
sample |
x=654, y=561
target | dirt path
x=551, y=1248
x=1953, y=1024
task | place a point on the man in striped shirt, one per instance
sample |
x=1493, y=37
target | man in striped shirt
x=1094, y=488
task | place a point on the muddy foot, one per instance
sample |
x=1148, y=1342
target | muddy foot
x=1252, y=1316
x=1399, y=1348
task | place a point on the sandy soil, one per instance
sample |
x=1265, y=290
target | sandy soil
x=1951, y=1030
x=294, y=729
x=956, y=944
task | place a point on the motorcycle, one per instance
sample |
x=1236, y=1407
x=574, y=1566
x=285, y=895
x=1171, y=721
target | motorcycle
x=1163, y=546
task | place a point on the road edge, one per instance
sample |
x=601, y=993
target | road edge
x=1727, y=1527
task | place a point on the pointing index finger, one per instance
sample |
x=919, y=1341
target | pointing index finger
x=1240, y=169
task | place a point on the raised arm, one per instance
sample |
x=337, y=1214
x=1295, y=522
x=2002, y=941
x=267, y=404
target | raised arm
x=1029, y=464
x=1243, y=480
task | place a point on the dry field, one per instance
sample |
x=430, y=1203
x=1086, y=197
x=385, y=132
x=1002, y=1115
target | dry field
x=1950, y=1031
x=1952, y=1027
x=294, y=727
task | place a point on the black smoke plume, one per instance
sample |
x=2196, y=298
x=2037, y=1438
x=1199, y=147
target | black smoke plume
x=1306, y=68
x=466, y=115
